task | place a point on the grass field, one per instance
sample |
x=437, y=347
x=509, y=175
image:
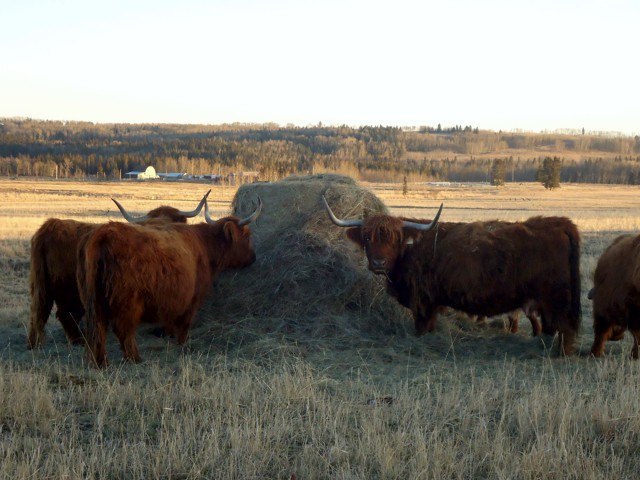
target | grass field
x=248, y=398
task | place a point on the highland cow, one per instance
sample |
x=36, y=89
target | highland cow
x=476, y=268
x=130, y=274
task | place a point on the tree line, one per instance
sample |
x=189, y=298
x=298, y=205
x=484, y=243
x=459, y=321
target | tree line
x=85, y=150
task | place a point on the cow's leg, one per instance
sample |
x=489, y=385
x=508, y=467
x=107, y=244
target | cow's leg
x=597, y=349
x=125, y=327
x=536, y=326
x=636, y=341
x=567, y=342
x=40, y=308
x=182, y=324
x=70, y=323
x=97, y=344
x=424, y=320
x=126, y=334
x=514, y=318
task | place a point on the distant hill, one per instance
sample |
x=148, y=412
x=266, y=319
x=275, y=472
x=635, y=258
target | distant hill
x=80, y=149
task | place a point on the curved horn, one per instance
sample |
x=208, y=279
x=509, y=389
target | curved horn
x=131, y=219
x=128, y=217
x=253, y=216
x=197, y=210
x=242, y=222
x=424, y=226
x=207, y=218
x=337, y=221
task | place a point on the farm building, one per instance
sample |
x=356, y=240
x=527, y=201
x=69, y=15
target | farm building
x=149, y=173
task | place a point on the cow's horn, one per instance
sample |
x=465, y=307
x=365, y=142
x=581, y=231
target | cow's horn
x=337, y=221
x=253, y=216
x=424, y=226
x=197, y=210
x=242, y=222
x=130, y=218
x=127, y=216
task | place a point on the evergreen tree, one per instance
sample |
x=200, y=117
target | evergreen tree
x=549, y=172
x=498, y=172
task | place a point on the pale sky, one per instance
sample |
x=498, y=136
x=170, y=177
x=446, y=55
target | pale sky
x=493, y=64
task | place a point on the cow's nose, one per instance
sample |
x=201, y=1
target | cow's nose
x=378, y=264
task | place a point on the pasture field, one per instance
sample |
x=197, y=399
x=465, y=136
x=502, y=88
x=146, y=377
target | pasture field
x=252, y=397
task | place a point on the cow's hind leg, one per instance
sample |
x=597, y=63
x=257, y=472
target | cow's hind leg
x=97, y=343
x=125, y=327
x=182, y=324
x=424, y=320
x=71, y=324
x=514, y=318
x=636, y=342
x=125, y=330
x=567, y=342
x=40, y=309
x=597, y=349
x=536, y=325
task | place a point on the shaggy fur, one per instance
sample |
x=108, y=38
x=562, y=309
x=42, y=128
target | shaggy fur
x=616, y=294
x=53, y=273
x=482, y=268
x=130, y=274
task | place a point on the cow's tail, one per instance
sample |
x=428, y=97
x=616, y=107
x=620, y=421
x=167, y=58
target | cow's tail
x=574, y=266
x=91, y=283
x=41, y=301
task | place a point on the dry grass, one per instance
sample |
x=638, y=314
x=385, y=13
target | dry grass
x=272, y=386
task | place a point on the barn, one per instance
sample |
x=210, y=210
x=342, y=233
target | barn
x=148, y=174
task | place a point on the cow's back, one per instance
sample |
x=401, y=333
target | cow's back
x=153, y=265
x=617, y=277
x=494, y=267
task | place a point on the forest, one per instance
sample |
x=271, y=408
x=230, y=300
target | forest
x=84, y=150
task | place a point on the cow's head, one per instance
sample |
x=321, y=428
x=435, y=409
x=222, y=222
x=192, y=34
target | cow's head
x=169, y=214
x=237, y=237
x=383, y=237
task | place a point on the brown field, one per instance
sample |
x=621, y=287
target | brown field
x=246, y=399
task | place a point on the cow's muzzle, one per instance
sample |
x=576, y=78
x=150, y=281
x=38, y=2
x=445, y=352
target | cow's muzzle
x=378, y=265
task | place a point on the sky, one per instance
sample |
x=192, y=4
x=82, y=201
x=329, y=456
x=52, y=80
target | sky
x=508, y=65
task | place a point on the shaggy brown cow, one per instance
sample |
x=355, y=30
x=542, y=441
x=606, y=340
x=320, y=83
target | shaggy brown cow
x=130, y=274
x=616, y=294
x=476, y=269
x=53, y=269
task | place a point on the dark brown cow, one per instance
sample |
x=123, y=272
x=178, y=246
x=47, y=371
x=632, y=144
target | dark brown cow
x=54, y=264
x=616, y=294
x=475, y=269
x=130, y=274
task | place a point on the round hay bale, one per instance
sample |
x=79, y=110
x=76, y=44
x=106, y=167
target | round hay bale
x=308, y=276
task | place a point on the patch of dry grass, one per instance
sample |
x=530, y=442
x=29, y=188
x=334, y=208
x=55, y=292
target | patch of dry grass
x=344, y=395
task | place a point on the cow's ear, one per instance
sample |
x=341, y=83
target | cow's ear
x=410, y=235
x=230, y=231
x=355, y=235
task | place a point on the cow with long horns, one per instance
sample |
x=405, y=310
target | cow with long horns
x=475, y=268
x=54, y=263
x=129, y=274
x=616, y=294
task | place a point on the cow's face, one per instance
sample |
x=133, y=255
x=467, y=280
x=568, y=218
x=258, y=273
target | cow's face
x=240, y=253
x=382, y=239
